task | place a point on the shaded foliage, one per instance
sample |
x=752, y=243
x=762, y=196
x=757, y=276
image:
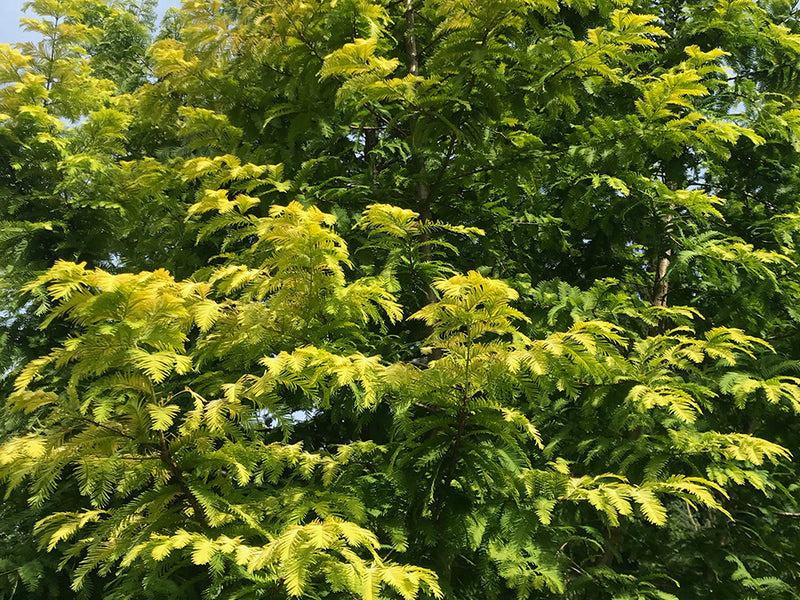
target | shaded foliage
x=566, y=366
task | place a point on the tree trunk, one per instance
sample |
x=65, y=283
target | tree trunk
x=660, y=283
x=422, y=189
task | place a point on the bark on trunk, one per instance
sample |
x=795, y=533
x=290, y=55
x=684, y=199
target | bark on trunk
x=661, y=285
x=422, y=189
x=411, y=39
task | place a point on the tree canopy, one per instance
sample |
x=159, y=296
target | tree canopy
x=401, y=298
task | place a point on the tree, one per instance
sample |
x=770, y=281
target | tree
x=46, y=212
x=173, y=461
x=619, y=176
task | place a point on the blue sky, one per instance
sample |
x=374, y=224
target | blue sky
x=11, y=11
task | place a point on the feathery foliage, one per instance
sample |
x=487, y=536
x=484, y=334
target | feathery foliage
x=419, y=299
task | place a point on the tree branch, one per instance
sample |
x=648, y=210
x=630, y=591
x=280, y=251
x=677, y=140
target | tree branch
x=177, y=474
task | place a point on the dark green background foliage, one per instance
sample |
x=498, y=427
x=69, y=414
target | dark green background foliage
x=565, y=366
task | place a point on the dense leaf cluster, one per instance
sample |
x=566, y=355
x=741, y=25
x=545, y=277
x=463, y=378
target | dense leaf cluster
x=417, y=298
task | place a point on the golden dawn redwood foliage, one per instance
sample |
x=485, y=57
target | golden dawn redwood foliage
x=184, y=449
x=419, y=299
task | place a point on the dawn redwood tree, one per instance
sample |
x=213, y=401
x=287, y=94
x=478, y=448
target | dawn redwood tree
x=173, y=406
x=565, y=367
